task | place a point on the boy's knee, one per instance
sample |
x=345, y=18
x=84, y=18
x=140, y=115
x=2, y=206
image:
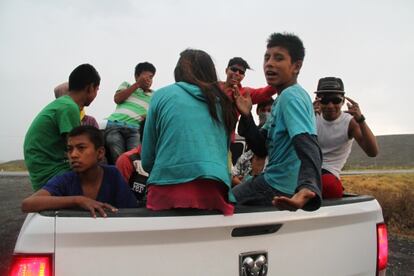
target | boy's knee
x=113, y=136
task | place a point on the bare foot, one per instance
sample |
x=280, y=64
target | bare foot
x=297, y=201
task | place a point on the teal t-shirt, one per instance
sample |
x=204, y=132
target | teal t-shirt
x=45, y=144
x=182, y=142
x=292, y=114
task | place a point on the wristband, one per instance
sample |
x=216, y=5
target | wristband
x=361, y=119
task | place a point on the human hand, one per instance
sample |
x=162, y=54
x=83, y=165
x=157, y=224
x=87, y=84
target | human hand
x=93, y=206
x=297, y=201
x=353, y=109
x=317, y=105
x=243, y=102
x=236, y=180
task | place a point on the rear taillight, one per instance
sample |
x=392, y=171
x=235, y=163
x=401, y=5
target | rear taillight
x=31, y=264
x=382, y=247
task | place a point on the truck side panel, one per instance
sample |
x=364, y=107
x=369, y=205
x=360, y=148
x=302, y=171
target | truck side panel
x=334, y=240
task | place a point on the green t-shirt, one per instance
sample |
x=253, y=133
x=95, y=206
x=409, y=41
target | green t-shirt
x=132, y=109
x=45, y=143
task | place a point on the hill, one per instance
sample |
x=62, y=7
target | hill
x=396, y=151
x=13, y=166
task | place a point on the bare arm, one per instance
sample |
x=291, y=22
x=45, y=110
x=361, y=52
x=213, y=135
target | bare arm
x=122, y=95
x=61, y=90
x=361, y=131
x=43, y=200
x=247, y=127
x=364, y=137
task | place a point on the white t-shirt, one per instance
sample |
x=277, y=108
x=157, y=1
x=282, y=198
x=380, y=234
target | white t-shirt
x=334, y=142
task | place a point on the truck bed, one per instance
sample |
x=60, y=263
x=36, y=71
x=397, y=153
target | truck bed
x=338, y=239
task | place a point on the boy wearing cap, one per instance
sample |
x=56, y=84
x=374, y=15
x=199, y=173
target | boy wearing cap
x=336, y=132
x=291, y=179
x=235, y=72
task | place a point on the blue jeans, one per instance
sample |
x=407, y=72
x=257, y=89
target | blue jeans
x=119, y=139
x=256, y=191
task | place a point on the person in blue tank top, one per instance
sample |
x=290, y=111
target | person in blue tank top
x=292, y=177
x=90, y=186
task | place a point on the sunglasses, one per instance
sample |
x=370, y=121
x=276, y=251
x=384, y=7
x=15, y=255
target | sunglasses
x=235, y=70
x=334, y=100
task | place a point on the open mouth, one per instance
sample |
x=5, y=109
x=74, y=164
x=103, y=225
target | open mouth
x=270, y=74
x=235, y=79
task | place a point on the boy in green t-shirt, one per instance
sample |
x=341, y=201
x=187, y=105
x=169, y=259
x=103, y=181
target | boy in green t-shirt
x=45, y=141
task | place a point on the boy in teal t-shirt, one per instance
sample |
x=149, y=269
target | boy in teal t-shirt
x=45, y=141
x=292, y=177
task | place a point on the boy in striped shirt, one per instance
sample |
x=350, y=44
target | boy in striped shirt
x=122, y=129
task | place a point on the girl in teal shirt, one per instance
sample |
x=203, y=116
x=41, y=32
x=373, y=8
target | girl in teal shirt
x=186, y=139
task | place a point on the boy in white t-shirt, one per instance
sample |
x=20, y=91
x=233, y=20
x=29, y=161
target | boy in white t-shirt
x=336, y=131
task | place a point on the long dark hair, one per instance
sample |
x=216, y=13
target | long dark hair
x=197, y=67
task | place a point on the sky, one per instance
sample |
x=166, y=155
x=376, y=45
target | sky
x=368, y=44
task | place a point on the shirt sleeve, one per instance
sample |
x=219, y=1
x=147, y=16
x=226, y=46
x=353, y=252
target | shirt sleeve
x=255, y=138
x=67, y=117
x=123, y=86
x=310, y=155
x=236, y=170
x=58, y=185
x=125, y=167
x=259, y=95
x=150, y=136
x=89, y=121
x=296, y=117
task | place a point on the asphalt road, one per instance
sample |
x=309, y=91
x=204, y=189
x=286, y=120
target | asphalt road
x=12, y=190
x=15, y=187
x=377, y=172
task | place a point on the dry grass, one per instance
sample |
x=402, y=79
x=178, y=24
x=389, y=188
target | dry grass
x=13, y=166
x=395, y=193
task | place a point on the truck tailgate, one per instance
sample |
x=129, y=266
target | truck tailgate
x=306, y=242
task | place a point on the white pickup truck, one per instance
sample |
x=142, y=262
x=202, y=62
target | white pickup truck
x=344, y=237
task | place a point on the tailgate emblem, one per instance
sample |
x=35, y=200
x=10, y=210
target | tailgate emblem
x=253, y=263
